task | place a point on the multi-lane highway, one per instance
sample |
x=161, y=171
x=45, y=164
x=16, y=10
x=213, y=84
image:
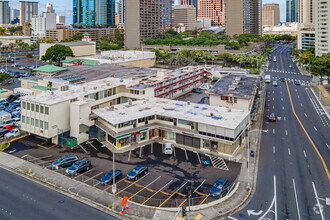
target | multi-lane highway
x=21, y=198
x=293, y=178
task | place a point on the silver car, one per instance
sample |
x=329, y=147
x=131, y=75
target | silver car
x=274, y=83
x=168, y=149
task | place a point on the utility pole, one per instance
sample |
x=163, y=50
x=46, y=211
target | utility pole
x=113, y=168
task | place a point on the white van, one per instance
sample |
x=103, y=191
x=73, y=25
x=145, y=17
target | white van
x=267, y=79
x=168, y=149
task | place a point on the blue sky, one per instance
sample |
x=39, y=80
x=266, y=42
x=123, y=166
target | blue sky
x=64, y=7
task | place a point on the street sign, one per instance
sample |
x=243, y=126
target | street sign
x=114, y=188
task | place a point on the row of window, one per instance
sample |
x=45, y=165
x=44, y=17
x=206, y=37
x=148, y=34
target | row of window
x=35, y=122
x=226, y=98
x=216, y=136
x=35, y=107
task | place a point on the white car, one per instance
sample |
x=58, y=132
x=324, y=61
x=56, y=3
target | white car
x=168, y=149
x=13, y=133
x=274, y=83
x=22, y=68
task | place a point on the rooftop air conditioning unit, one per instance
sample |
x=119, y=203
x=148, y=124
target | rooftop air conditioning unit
x=95, y=87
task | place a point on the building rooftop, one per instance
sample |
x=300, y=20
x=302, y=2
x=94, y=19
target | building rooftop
x=76, y=43
x=70, y=92
x=49, y=69
x=200, y=113
x=236, y=85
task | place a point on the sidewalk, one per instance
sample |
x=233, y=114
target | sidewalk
x=321, y=98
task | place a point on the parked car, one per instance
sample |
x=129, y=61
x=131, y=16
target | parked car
x=16, y=120
x=22, y=68
x=79, y=166
x=16, y=114
x=13, y=133
x=272, y=117
x=108, y=178
x=274, y=83
x=3, y=132
x=296, y=82
x=14, y=65
x=168, y=149
x=2, y=107
x=25, y=74
x=137, y=172
x=65, y=161
x=197, y=91
x=10, y=127
x=290, y=66
x=12, y=107
x=12, y=97
x=220, y=188
x=282, y=79
x=4, y=102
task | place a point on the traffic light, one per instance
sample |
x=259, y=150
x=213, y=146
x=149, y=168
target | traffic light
x=187, y=192
x=184, y=211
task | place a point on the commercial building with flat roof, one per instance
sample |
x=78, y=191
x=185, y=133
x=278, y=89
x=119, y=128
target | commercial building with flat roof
x=146, y=19
x=28, y=9
x=185, y=14
x=213, y=9
x=270, y=14
x=79, y=48
x=234, y=91
x=194, y=125
x=67, y=34
x=64, y=109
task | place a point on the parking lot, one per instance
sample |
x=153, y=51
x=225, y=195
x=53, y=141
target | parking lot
x=163, y=186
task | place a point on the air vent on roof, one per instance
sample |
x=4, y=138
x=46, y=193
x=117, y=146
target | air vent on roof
x=188, y=102
x=234, y=82
x=64, y=88
x=232, y=87
x=95, y=87
x=121, y=80
x=84, y=89
x=108, y=84
x=229, y=109
x=211, y=115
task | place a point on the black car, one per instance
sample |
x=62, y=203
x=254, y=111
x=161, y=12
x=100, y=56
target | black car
x=2, y=107
x=296, y=82
x=197, y=91
x=4, y=102
x=12, y=97
x=65, y=161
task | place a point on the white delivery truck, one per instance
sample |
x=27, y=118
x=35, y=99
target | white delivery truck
x=4, y=116
x=267, y=79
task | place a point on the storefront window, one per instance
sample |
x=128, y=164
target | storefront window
x=143, y=136
x=206, y=144
x=124, y=141
x=171, y=136
x=153, y=133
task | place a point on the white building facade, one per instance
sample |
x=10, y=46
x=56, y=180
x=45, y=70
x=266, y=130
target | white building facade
x=43, y=22
x=322, y=25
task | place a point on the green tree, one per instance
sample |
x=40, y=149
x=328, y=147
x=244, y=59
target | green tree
x=321, y=65
x=56, y=52
x=49, y=85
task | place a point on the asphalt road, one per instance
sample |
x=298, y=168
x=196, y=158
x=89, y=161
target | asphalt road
x=288, y=162
x=24, y=199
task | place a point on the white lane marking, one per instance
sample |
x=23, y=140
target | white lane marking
x=305, y=153
x=273, y=149
x=273, y=107
x=283, y=107
x=298, y=97
x=273, y=99
x=284, y=118
x=320, y=104
x=315, y=128
x=281, y=92
x=232, y=218
x=328, y=146
x=289, y=151
x=318, y=201
x=295, y=194
x=281, y=99
x=301, y=104
x=200, y=185
x=286, y=132
x=305, y=115
x=274, y=131
x=92, y=177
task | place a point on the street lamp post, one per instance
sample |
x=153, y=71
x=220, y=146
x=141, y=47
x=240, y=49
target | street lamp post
x=113, y=169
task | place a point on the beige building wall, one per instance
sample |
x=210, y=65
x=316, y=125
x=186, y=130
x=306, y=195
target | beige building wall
x=322, y=25
x=132, y=24
x=213, y=9
x=185, y=14
x=234, y=17
x=85, y=50
x=140, y=63
x=306, y=11
x=270, y=14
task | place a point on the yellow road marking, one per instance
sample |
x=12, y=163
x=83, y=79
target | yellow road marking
x=138, y=192
x=204, y=199
x=182, y=203
x=315, y=148
x=186, y=199
x=180, y=194
x=47, y=147
x=199, y=193
x=198, y=217
x=42, y=146
x=112, y=184
x=125, y=188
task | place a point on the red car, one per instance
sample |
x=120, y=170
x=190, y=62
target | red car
x=272, y=117
x=10, y=127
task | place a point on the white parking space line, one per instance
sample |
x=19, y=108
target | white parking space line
x=82, y=148
x=298, y=97
x=295, y=194
x=91, y=145
x=284, y=118
x=305, y=115
x=328, y=146
x=283, y=107
x=39, y=158
x=185, y=153
x=318, y=201
x=289, y=151
x=274, y=131
x=273, y=99
x=305, y=153
x=273, y=149
x=200, y=185
x=84, y=173
x=286, y=132
x=232, y=218
x=152, y=182
x=315, y=128
x=93, y=177
x=129, y=155
x=281, y=99
x=301, y=104
x=174, y=152
x=198, y=157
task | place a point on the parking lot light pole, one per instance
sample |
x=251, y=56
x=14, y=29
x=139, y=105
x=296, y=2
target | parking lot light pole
x=113, y=168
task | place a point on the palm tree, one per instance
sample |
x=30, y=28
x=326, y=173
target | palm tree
x=49, y=85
